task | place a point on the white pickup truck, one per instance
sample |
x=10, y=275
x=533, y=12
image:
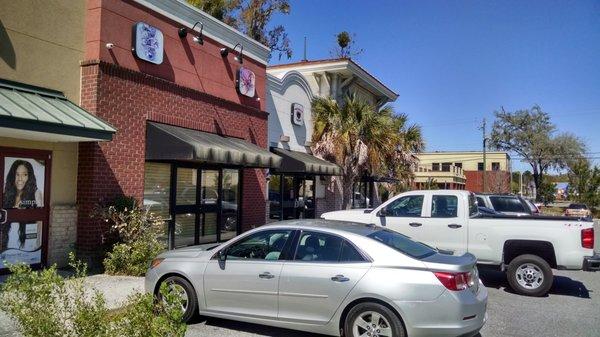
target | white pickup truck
x=526, y=247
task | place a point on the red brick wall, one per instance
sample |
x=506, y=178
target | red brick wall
x=127, y=99
x=497, y=181
x=185, y=62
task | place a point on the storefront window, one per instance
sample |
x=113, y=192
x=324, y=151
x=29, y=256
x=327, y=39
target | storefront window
x=157, y=185
x=185, y=227
x=230, y=202
x=275, y=198
x=186, y=186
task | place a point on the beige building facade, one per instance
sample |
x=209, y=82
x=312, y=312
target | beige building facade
x=42, y=47
x=464, y=170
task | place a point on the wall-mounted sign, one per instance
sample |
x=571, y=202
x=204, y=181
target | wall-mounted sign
x=297, y=114
x=147, y=43
x=246, y=82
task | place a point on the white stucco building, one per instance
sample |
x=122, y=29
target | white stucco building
x=305, y=186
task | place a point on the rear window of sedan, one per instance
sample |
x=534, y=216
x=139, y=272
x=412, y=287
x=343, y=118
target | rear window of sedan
x=402, y=243
x=577, y=206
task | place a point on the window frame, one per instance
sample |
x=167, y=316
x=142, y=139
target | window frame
x=433, y=196
x=296, y=245
x=423, y=206
x=284, y=250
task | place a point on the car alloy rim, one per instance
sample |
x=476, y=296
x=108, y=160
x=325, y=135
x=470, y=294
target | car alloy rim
x=177, y=289
x=371, y=324
x=529, y=276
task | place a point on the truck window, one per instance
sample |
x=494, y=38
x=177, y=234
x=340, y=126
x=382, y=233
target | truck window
x=473, y=209
x=444, y=206
x=507, y=204
x=480, y=202
x=408, y=206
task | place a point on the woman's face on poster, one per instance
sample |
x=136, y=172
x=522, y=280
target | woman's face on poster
x=21, y=177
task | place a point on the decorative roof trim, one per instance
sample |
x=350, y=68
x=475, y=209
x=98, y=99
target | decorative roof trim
x=339, y=65
x=292, y=77
x=187, y=15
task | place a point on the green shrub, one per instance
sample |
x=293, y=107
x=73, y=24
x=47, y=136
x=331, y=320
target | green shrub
x=132, y=258
x=44, y=304
x=137, y=235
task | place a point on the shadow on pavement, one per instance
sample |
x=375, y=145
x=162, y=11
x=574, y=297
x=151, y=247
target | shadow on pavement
x=262, y=330
x=562, y=285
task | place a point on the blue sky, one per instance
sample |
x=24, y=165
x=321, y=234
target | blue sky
x=455, y=62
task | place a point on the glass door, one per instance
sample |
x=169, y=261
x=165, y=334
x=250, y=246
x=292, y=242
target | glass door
x=205, y=205
x=24, y=200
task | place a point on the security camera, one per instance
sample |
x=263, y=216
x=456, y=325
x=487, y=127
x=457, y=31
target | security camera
x=110, y=45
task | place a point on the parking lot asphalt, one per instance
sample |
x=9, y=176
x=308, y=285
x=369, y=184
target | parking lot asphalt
x=572, y=308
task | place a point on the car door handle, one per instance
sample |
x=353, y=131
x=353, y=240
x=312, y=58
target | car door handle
x=415, y=224
x=454, y=226
x=266, y=275
x=340, y=278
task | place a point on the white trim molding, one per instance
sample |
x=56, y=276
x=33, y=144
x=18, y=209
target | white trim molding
x=186, y=14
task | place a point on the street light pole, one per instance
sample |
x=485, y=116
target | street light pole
x=484, y=157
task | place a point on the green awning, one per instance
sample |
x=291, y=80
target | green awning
x=168, y=142
x=27, y=108
x=300, y=162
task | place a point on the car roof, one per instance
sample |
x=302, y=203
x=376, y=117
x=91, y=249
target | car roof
x=332, y=225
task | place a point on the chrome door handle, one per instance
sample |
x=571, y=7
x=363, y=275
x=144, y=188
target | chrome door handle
x=4, y=217
x=454, y=226
x=266, y=275
x=415, y=224
x=340, y=278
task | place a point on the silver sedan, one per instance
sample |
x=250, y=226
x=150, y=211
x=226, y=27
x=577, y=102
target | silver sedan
x=330, y=277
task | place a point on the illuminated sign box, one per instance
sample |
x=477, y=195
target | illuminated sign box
x=246, y=82
x=147, y=43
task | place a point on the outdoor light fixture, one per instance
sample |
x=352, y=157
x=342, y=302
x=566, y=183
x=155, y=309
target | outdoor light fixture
x=239, y=58
x=199, y=38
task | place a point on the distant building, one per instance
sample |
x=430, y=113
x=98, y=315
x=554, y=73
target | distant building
x=464, y=170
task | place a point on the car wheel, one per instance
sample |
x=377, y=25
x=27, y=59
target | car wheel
x=530, y=275
x=373, y=320
x=189, y=299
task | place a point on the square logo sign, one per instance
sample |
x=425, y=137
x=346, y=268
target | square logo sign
x=148, y=43
x=246, y=82
x=297, y=113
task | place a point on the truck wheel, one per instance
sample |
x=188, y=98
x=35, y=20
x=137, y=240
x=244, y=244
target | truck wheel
x=530, y=275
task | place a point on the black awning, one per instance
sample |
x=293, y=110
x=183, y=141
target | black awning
x=300, y=162
x=167, y=142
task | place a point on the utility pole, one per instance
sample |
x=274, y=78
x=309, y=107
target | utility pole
x=305, y=59
x=484, y=157
x=521, y=182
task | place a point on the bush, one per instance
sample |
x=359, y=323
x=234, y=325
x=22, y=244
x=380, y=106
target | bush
x=46, y=305
x=132, y=258
x=137, y=235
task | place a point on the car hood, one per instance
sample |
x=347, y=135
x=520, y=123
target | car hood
x=446, y=262
x=354, y=215
x=189, y=252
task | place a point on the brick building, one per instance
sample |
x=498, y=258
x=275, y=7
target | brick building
x=169, y=106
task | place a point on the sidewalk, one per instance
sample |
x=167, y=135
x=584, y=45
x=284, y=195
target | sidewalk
x=114, y=288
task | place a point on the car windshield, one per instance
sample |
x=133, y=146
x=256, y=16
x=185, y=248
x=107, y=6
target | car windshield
x=402, y=243
x=577, y=206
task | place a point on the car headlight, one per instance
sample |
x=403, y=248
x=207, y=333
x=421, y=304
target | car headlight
x=155, y=262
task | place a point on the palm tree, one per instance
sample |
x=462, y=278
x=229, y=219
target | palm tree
x=363, y=140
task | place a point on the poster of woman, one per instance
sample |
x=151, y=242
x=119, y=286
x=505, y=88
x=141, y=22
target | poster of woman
x=20, y=242
x=24, y=183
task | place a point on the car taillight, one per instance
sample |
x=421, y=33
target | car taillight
x=454, y=281
x=587, y=238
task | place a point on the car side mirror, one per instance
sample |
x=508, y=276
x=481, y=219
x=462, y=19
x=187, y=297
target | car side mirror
x=382, y=213
x=222, y=255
